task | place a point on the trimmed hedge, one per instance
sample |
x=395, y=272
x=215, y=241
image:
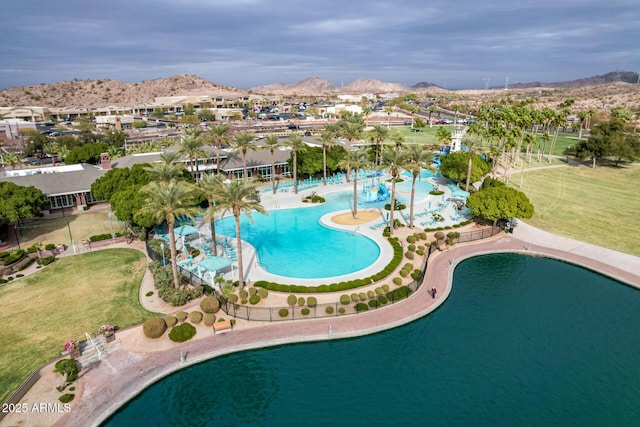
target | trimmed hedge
x=182, y=333
x=182, y=315
x=254, y=299
x=292, y=300
x=195, y=317
x=312, y=301
x=345, y=299
x=305, y=311
x=399, y=293
x=154, y=327
x=170, y=321
x=328, y=310
x=46, y=260
x=283, y=312
x=105, y=236
x=210, y=304
x=209, y=319
x=361, y=307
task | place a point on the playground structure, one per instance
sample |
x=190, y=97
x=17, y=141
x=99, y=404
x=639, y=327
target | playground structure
x=374, y=191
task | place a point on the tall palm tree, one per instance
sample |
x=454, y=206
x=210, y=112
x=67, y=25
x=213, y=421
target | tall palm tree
x=416, y=160
x=431, y=109
x=272, y=143
x=378, y=134
x=167, y=169
x=219, y=137
x=210, y=186
x=326, y=139
x=398, y=138
x=297, y=145
x=192, y=145
x=394, y=160
x=529, y=140
x=167, y=202
x=355, y=159
x=388, y=110
x=243, y=143
x=239, y=197
x=443, y=135
x=351, y=131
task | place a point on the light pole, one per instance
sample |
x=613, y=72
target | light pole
x=162, y=249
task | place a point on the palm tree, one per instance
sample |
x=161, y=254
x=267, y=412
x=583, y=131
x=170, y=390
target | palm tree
x=167, y=169
x=297, y=146
x=219, y=136
x=63, y=152
x=239, y=197
x=273, y=143
x=398, y=138
x=529, y=140
x=355, y=159
x=432, y=109
x=210, y=186
x=192, y=144
x=243, y=143
x=167, y=202
x=378, y=134
x=351, y=131
x=394, y=160
x=417, y=159
x=326, y=138
x=12, y=159
x=443, y=135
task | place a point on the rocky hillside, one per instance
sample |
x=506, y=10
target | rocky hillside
x=96, y=93
x=307, y=87
x=613, y=77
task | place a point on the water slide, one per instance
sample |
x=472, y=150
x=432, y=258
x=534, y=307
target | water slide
x=383, y=194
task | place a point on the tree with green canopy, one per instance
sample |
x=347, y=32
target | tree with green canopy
x=500, y=202
x=18, y=203
x=243, y=143
x=417, y=159
x=272, y=142
x=355, y=159
x=455, y=166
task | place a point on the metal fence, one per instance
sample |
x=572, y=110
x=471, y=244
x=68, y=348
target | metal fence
x=297, y=312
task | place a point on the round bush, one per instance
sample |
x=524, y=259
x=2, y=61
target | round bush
x=373, y=303
x=412, y=248
x=243, y=301
x=382, y=299
x=409, y=255
x=209, y=319
x=210, y=304
x=379, y=291
x=301, y=301
x=305, y=311
x=253, y=291
x=397, y=281
x=149, y=293
x=328, y=310
x=439, y=235
x=233, y=298
x=385, y=288
x=361, y=307
x=195, y=317
x=243, y=294
x=411, y=239
x=345, y=299
x=170, y=321
x=362, y=296
x=283, y=312
x=154, y=327
x=312, y=301
x=263, y=293
x=371, y=294
x=341, y=310
x=182, y=315
x=354, y=297
x=254, y=299
x=292, y=300
x=66, y=398
x=182, y=333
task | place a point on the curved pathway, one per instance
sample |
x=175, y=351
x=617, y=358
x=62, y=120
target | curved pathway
x=124, y=374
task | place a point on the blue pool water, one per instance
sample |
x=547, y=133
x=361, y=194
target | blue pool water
x=293, y=243
x=521, y=341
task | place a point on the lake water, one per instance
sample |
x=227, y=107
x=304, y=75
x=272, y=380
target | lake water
x=520, y=341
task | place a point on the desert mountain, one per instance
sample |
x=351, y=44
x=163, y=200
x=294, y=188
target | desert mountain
x=96, y=93
x=307, y=87
x=364, y=85
x=612, y=77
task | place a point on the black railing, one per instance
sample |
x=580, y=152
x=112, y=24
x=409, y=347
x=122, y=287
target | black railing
x=295, y=312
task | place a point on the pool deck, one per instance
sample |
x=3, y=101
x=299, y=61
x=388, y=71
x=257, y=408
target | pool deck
x=106, y=386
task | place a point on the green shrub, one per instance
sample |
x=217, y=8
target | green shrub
x=243, y=301
x=449, y=242
x=341, y=310
x=328, y=309
x=253, y=291
x=66, y=398
x=148, y=294
x=439, y=235
x=243, y=294
x=409, y=255
x=195, y=317
x=379, y=291
x=210, y=304
x=354, y=297
x=373, y=303
x=209, y=319
x=301, y=301
x=420, y=252
x=32, y=249
x=183, y=332
x=404, y=273
x=412, y=248
x=361, y=307
x=386, y=288
x=399, y=293
x=182, y=315
x=283, y=312
x=382, y=299
x=13, y=256
x=415, y=274
x=397, y=281
x=362, y=296
x=305, y=311
x=263, y=293
x=312, y=301
x=292, y=300
x=67, y=367
x=49, y=246
x=154, y=327
x=411, y=239
x=46, y=260
x=371, y=294
x=453, y=234
x=170, y=321
x=345, y=299
x=423, y=236
x=254, y=299
x=179, y=297
x=232, y=298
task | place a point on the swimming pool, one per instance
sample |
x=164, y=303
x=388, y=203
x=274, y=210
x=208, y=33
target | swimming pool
x=520, y=341
x=293, y=243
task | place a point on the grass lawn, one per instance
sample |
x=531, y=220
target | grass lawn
x=598, y=206
x=55, y=230
x=74, y=295
x=426, y=135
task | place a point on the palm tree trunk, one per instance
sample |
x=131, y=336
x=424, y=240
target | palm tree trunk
x=218, y=158
x=413, y=196
x=393, y=205
x=239, y=251
x=174, y=254
x=324, y=163
x=295, y=173
x=469, y=165
x=244, y=166
x=273, y=172
x=355, y=199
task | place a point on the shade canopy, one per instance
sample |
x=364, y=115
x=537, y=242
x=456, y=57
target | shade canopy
x=185, y=230
x=214, y=263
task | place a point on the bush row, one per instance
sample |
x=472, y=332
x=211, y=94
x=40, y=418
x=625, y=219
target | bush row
x=105, y=236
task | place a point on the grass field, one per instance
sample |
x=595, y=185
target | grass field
x=598, y=206
x=72, y=296
x=56, y=231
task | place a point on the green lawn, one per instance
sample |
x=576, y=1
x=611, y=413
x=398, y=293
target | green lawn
x=72, y=296
x=598, y=206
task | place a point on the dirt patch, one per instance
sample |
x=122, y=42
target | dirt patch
x=348, y=219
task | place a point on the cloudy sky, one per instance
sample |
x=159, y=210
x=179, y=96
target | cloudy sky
x=246, y=43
